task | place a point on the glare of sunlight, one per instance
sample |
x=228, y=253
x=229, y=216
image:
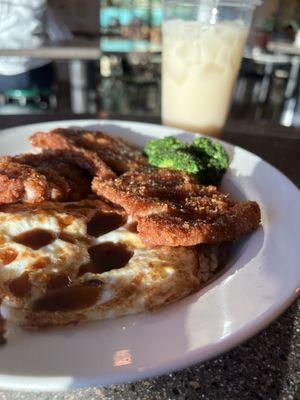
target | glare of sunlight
x=122, y=357
x=213, y=18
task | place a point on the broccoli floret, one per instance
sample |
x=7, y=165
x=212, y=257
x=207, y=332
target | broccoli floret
x=156, y=146
x=214, y=157
x=172, y=153
x=176, y=159
x=204, y=159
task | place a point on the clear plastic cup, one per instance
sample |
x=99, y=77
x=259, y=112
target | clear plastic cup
x=203, y=43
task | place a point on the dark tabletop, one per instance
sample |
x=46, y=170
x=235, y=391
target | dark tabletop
x=265, y=367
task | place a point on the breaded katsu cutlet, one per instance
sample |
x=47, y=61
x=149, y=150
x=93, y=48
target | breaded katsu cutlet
x=54, y=174
x=29, y=178
x=20, y=182
x=57, y=164
x=172, y=209
x=51, y=175
x=115, y=152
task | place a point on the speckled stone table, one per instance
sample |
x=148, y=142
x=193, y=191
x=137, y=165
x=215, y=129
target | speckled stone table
x=266, y=367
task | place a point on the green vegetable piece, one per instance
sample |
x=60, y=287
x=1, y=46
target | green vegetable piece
x=156, y=146
x=204, y=159
x=176, y=159
x=214, y=157
x=172, y=153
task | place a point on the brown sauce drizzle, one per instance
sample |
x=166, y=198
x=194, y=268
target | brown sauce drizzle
x=58, y=281
x=67, y=237
x=105, y=257
x=68, y=298
x=77, y=206
x=102, y=223
x=20, y=286
x=8, y=255
x=132, y=227
x=36, y=238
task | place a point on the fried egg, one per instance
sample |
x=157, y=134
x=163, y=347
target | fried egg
x=66, y=263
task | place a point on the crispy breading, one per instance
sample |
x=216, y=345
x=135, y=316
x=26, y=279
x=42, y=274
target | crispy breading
x=61, y=167
x=62, y=139
x=85, y=207
x=51, y=175
x=22, y=183
x=152, y=190
x=172, y=209
x=115, y=152
x=210, y=226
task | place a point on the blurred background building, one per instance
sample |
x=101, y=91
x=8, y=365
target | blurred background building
x=104, y=56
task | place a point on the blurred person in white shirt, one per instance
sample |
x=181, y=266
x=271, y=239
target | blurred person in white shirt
x=26, y=24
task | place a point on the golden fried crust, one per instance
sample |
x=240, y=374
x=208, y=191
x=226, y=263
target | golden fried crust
x=115, y=152
x=172, y=209
x=21, y=183
x=55, y=175
x=62, y=171
x=84, y=158
x=148, y=191
x=235, y=221
x=151, y=190
x=83, y=208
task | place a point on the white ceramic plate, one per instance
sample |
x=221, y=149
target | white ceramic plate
x=261, y=280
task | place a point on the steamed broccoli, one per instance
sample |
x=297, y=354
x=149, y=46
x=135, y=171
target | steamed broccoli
x=214, y=157
x=155, y=146
x=204, y=159
x=172, y=153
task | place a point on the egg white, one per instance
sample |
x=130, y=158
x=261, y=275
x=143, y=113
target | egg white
x=151, y=278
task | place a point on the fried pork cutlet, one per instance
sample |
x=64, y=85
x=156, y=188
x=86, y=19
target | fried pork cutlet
x=20, y=182
x=33, y=178
x=172, y=209
x=60, y=166
x=115, y=152
x=85, y=158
